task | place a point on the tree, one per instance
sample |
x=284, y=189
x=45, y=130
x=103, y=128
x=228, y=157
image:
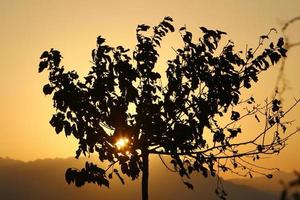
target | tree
x=291, y=189
x=121, y=111
x=281, y=83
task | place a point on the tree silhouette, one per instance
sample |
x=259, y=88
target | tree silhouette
x=122, y=112
x=281, y=83
x=291, y=189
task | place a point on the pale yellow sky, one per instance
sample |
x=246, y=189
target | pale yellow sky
x=32, y=26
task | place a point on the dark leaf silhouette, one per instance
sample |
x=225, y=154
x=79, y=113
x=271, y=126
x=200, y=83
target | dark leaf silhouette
x=43, y=65
x=269, y=176
x=189, y=185
x=47, y=89
x=235, y=115
x=168, y=25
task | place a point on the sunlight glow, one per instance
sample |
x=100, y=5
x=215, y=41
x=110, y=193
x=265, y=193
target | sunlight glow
x=121, y=143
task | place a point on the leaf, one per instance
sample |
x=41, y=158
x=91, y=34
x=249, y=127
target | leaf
x=274, y=57
x=70, y=175
x=250, y=175
x=251, y=100
x=168, y=25
x=59, y=127
x=68, y=129
x=182, y=172
x=219, y=136
x=124, y=168
x=259, y=148
x=235, y=116
x=203, y=29
x=221, y=32
x=204, y=172
x=79, y=180
x=280, y=42
x=187, y=37
x=235, y=165
x=234, y=132
x=168, y=18
x=282, y=51
x=275, y=105
x=142, y=27
x=283, y=128
x=121, y=179
x=45, y=54
x=269, y=176
x=247, y=83
x=100, y=40
x=47, y=89
x=235, y=98
x=69, y=115
x=264, y=37
x=271, y=121
x=78, y=152
x=256, y=117
x=105, y=182
x=189, y=185
x=157, y=42
x=43, y=65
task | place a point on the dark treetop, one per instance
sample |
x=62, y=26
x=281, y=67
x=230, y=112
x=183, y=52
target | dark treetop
x=179, y=119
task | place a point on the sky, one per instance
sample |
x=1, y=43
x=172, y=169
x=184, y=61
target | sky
x=32, y=26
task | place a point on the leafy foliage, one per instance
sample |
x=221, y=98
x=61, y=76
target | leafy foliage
x=175, y=120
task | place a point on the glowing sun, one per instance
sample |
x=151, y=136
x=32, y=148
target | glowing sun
x=121, y=143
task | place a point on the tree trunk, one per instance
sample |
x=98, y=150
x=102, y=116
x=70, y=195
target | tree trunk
x=145, y=175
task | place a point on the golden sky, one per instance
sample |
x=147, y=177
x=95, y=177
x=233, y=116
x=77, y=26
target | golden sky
x=32, y=26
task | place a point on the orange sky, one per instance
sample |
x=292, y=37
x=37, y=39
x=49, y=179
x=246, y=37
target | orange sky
x=30, y=27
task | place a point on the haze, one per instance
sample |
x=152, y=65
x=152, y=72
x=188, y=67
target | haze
x=30, y=27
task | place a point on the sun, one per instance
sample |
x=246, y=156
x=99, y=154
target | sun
x=122, y=143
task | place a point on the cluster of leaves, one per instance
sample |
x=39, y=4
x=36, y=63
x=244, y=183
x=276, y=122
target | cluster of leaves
x=91, y=174
x=202, y=85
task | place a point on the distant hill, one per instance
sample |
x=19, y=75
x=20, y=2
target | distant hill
x=44, y=180
x=273, y=185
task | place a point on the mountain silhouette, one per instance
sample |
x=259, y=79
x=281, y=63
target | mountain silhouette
x=44, y=179
x=273, y=185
